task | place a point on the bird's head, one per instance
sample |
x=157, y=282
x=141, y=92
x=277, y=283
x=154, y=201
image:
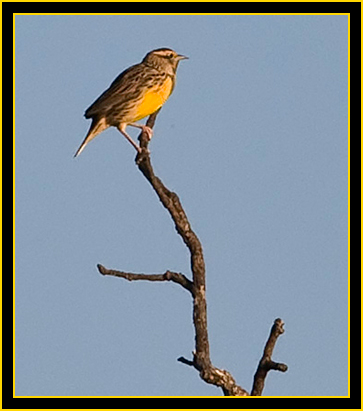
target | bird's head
x=163, y=59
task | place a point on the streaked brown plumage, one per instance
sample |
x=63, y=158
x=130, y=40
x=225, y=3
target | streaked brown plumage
x=136, y=93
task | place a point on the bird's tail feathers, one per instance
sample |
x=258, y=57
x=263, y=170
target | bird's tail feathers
x=97, y=126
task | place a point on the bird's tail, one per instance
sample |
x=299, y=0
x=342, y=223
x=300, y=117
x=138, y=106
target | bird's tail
x=97, y=126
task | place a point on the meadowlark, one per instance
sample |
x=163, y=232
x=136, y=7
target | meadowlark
x=136, y=93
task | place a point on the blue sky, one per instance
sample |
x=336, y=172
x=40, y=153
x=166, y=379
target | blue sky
x=253, y=140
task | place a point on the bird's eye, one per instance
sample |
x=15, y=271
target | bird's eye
x=171, y=55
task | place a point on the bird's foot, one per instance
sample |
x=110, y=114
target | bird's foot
x=148, y=131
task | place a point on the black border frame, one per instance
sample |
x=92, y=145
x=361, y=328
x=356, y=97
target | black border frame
x=354, y=9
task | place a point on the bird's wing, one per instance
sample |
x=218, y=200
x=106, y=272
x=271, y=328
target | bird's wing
x=127, y=86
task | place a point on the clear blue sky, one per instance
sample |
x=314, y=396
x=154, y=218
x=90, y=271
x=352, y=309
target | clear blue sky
x=253, y=140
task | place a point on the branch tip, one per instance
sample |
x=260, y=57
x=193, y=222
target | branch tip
x=186, y=361
x=101, y=269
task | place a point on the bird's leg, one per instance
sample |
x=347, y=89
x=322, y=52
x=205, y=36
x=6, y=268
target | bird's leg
x=145, y=129
x=122, y=130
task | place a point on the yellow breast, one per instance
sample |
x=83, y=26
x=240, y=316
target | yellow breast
x=153, y=99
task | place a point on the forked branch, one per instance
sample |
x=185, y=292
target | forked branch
x=266, y=364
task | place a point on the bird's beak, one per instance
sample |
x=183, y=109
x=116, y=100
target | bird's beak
x=181, y=57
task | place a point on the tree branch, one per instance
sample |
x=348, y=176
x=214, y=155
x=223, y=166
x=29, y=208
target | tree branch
x=201, y=357
x=266, y=364
x=172, y=203
x=167, y=276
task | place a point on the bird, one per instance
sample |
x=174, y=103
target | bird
x=137, y=92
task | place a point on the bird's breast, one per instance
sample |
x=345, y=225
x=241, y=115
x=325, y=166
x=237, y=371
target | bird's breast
x=154, y=98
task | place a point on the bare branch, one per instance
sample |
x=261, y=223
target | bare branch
x=186, y=361
x=266, y=364
x=218, y=377
x=172, y=203
x=201, y=357
x=167, y=276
